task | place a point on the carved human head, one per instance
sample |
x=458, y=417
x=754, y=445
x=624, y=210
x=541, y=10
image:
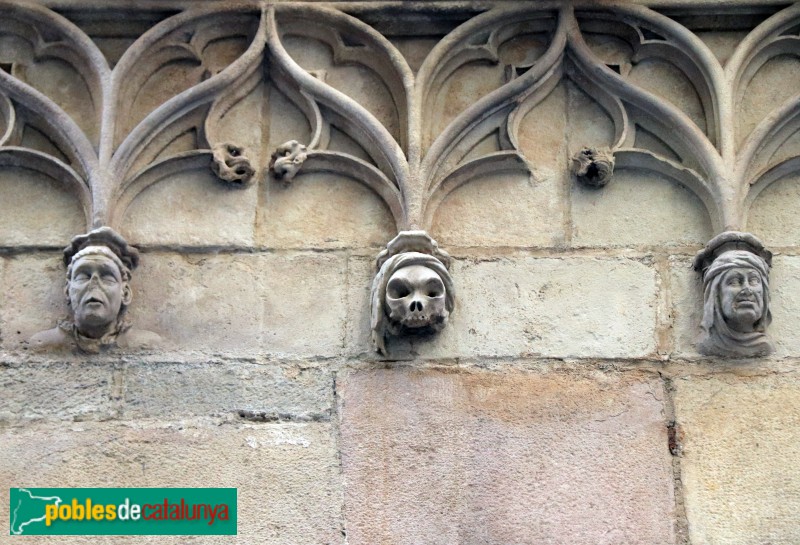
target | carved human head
x=412, y=293
x=98, y=291
x=416, y=297
x=735, y=296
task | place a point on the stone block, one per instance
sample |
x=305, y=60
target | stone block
x=433, y=457
x=36, y=210
x=569, y=307
x=286, y=474
x=192, y=208
x=304, y=305
x=201, y=302
x=670, y=83
x=784, y=283
x=741, y=443
x=772, y=88
x=159, y=390
x=243, y=304
x=56, y=390
x=686, y=295
x=360, y=273
x=638, y=208
x=33, y=296
x=322, y=210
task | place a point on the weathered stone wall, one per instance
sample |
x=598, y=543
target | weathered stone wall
x=563, y=403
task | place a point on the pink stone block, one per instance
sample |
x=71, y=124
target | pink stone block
x=433, y=457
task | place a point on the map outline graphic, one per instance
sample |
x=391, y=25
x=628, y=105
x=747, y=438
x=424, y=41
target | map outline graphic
x=20, y=528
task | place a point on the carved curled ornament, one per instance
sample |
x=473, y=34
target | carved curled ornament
x=118, y=140
x=232, y=165
x=287, y=160
x=593, y=167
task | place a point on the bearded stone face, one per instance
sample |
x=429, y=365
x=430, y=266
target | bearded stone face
x=415, y=298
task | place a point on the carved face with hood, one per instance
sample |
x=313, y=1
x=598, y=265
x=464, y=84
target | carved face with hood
x=736, y=306
x=412, y=293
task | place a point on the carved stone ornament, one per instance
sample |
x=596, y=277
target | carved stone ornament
x=287, y=160
x=98, y=291
x=232, y=165
x=736, y=313
x=413, y=292
x=593, y=167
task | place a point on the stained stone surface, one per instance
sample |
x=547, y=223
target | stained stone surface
x=740, y=439
x=37, y=210
x=434, y=457
x=53, y=390
x=477, y=213
x=33, y=296
x=686, y=296
x=785, y=304
x=294, y=464
x=638, y=210
x=266, y=391
x=772, y=215
x=320, y=210
x=192, y=208
x=771, y=88
x=245, y=304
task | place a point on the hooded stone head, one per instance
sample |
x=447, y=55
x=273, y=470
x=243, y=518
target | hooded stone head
x=413, y=292
x=735, y=297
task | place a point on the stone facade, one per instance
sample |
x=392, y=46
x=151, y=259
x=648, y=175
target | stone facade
x=541, y=174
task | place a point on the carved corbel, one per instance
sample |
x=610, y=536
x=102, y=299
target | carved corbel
x=412, y=293
x=735, y=268
x=593, y=167
x=231, y=164
x=287, y=160
x=98, y=292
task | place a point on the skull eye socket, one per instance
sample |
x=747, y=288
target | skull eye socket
x=435, y=288
x=397, y=289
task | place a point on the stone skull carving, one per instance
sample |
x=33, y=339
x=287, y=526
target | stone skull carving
x=413, y=293
x=415, y=298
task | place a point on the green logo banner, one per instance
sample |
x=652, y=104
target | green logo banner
x=122, y=511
